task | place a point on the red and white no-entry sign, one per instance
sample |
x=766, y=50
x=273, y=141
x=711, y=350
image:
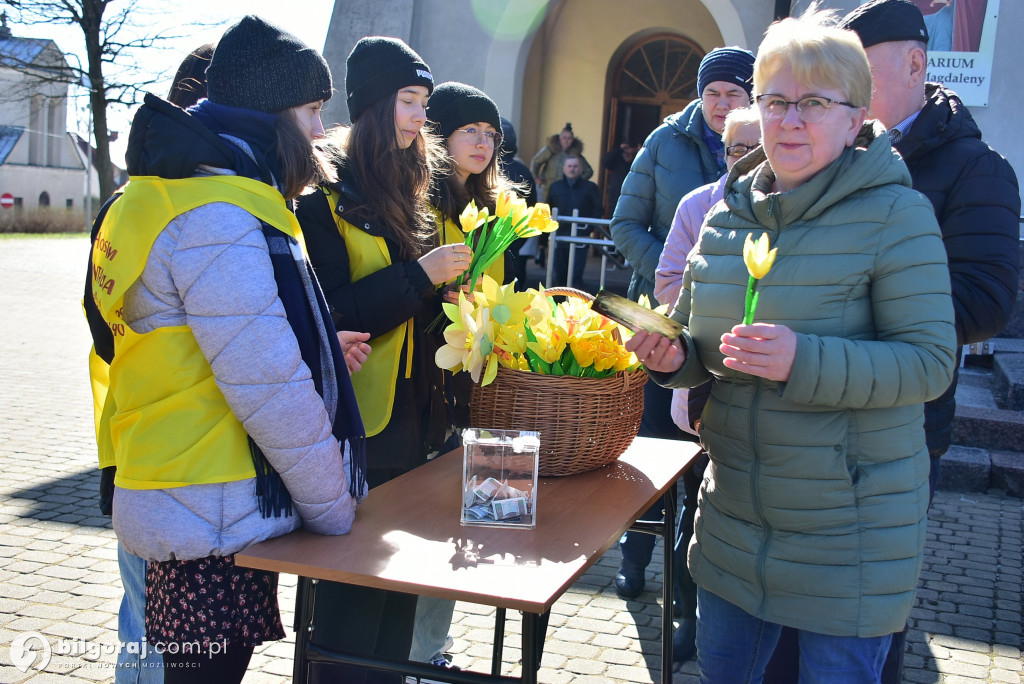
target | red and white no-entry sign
x=6, y=200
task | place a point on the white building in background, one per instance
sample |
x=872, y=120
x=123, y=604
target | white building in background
x=615, y=69
x=40, y=164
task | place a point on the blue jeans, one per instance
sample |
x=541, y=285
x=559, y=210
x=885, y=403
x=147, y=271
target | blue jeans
x=430, y=631
x=733, y=647
x=132, y=667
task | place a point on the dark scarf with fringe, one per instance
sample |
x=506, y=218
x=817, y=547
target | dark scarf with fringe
x=307, y=312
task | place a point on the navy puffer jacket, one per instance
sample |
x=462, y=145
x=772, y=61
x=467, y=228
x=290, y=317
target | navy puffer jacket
x=673, y=161
x=977, y=203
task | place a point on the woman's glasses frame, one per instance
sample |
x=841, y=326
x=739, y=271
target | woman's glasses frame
x=492, y=138
x=810, y=109
x=740, y=150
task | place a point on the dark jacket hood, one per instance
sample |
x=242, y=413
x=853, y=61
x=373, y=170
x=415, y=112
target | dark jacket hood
x=556, y=146
x=165, y=141
x=943, y=118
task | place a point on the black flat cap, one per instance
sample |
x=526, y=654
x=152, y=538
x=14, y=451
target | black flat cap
x=885, y=21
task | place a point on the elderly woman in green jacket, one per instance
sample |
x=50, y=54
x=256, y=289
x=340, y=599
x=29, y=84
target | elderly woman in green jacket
x=812, y=512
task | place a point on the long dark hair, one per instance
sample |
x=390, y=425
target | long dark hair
x=451, y=197
x=395, y=182
x=189, y=84
x=300, y=163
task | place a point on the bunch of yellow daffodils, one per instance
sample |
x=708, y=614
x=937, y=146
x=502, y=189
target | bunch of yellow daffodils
x=529, y=331
x=489, y=236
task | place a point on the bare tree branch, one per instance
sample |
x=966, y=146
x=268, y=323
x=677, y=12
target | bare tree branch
x=113, y=31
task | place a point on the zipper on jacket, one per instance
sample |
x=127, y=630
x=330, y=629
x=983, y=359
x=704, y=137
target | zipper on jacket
x=776, y=212
x=755, y=499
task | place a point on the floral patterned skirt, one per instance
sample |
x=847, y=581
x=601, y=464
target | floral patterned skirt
x=211, y=601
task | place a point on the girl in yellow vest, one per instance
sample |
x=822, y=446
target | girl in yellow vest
x=468, y=122
x=373, y=242
x=227, y=408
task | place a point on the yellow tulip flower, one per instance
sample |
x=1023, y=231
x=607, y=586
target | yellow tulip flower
x=757, y=257
x=469, y=216
x=519, y=210
x=504, y=204
x=759, y=261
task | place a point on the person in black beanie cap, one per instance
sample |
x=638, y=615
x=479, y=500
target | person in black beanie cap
x=376, y=250
x=377, y=67
x=210, y=287
x=518, y=173
x=467, y=120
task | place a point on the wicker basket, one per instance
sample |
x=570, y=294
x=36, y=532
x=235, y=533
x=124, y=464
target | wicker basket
x=584, y=423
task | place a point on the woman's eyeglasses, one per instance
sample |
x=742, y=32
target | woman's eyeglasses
x=810, y=109
x=492, y=138
x=740, y=150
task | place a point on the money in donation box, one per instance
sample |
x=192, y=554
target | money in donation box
x=499, y=478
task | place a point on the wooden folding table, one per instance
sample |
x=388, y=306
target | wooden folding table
x=407, y=538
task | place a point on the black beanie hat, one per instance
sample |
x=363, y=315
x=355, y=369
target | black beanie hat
x=258, y=66
x=885, y=21
x=729, y=64
x=456, y=104
x=379, y=66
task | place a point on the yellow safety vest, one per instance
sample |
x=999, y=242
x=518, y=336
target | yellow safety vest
x=375, y=382
x=162, y=419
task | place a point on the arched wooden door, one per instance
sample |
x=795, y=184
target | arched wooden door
x=656, y=77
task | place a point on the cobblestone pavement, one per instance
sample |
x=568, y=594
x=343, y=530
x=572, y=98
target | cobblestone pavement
x=58, y=569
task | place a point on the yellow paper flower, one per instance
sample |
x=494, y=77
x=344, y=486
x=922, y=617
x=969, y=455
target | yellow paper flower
x=468, y=217
x=519, y=210
x=503, y=206
x=528, y=331
x=540, y=218
x=757, y=257
x=458, y=336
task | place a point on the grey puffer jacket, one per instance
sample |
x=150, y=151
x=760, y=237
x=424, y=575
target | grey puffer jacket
x=812, y=513
x=210, y=269
x=673, y=161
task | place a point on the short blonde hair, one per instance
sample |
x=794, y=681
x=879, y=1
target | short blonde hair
x=819, y=53
x=744, y=116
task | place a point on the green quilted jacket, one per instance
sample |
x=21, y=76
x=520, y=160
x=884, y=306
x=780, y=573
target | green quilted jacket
x=812, y=513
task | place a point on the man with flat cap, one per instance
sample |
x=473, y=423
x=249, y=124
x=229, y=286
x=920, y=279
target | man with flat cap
x=972, y=188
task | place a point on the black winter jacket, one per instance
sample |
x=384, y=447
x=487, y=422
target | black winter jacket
x=977, y=203
x=377, y=304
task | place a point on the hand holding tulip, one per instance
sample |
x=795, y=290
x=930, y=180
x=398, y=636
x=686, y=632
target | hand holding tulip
x=656, y=352
x=760, y=349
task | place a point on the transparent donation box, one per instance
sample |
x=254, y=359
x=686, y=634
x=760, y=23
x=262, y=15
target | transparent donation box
x=499, y=478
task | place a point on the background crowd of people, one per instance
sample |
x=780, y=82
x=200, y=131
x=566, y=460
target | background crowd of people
x=263, y=354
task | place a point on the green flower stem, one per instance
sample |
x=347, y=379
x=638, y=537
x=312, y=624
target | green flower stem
x=750, y=304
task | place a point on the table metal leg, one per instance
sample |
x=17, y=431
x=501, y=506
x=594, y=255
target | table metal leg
x=499, y=641
x=306, y=594
x=668, y=585
x=534, y=628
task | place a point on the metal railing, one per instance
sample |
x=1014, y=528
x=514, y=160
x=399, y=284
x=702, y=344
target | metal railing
x=576, y=223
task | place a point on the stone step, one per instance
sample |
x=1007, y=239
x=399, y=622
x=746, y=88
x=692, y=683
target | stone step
x=968, y=469
x=1008, y=381
x=988, y=427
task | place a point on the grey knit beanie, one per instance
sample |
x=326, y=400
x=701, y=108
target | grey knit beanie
x=379, y=66
x=258, y=66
